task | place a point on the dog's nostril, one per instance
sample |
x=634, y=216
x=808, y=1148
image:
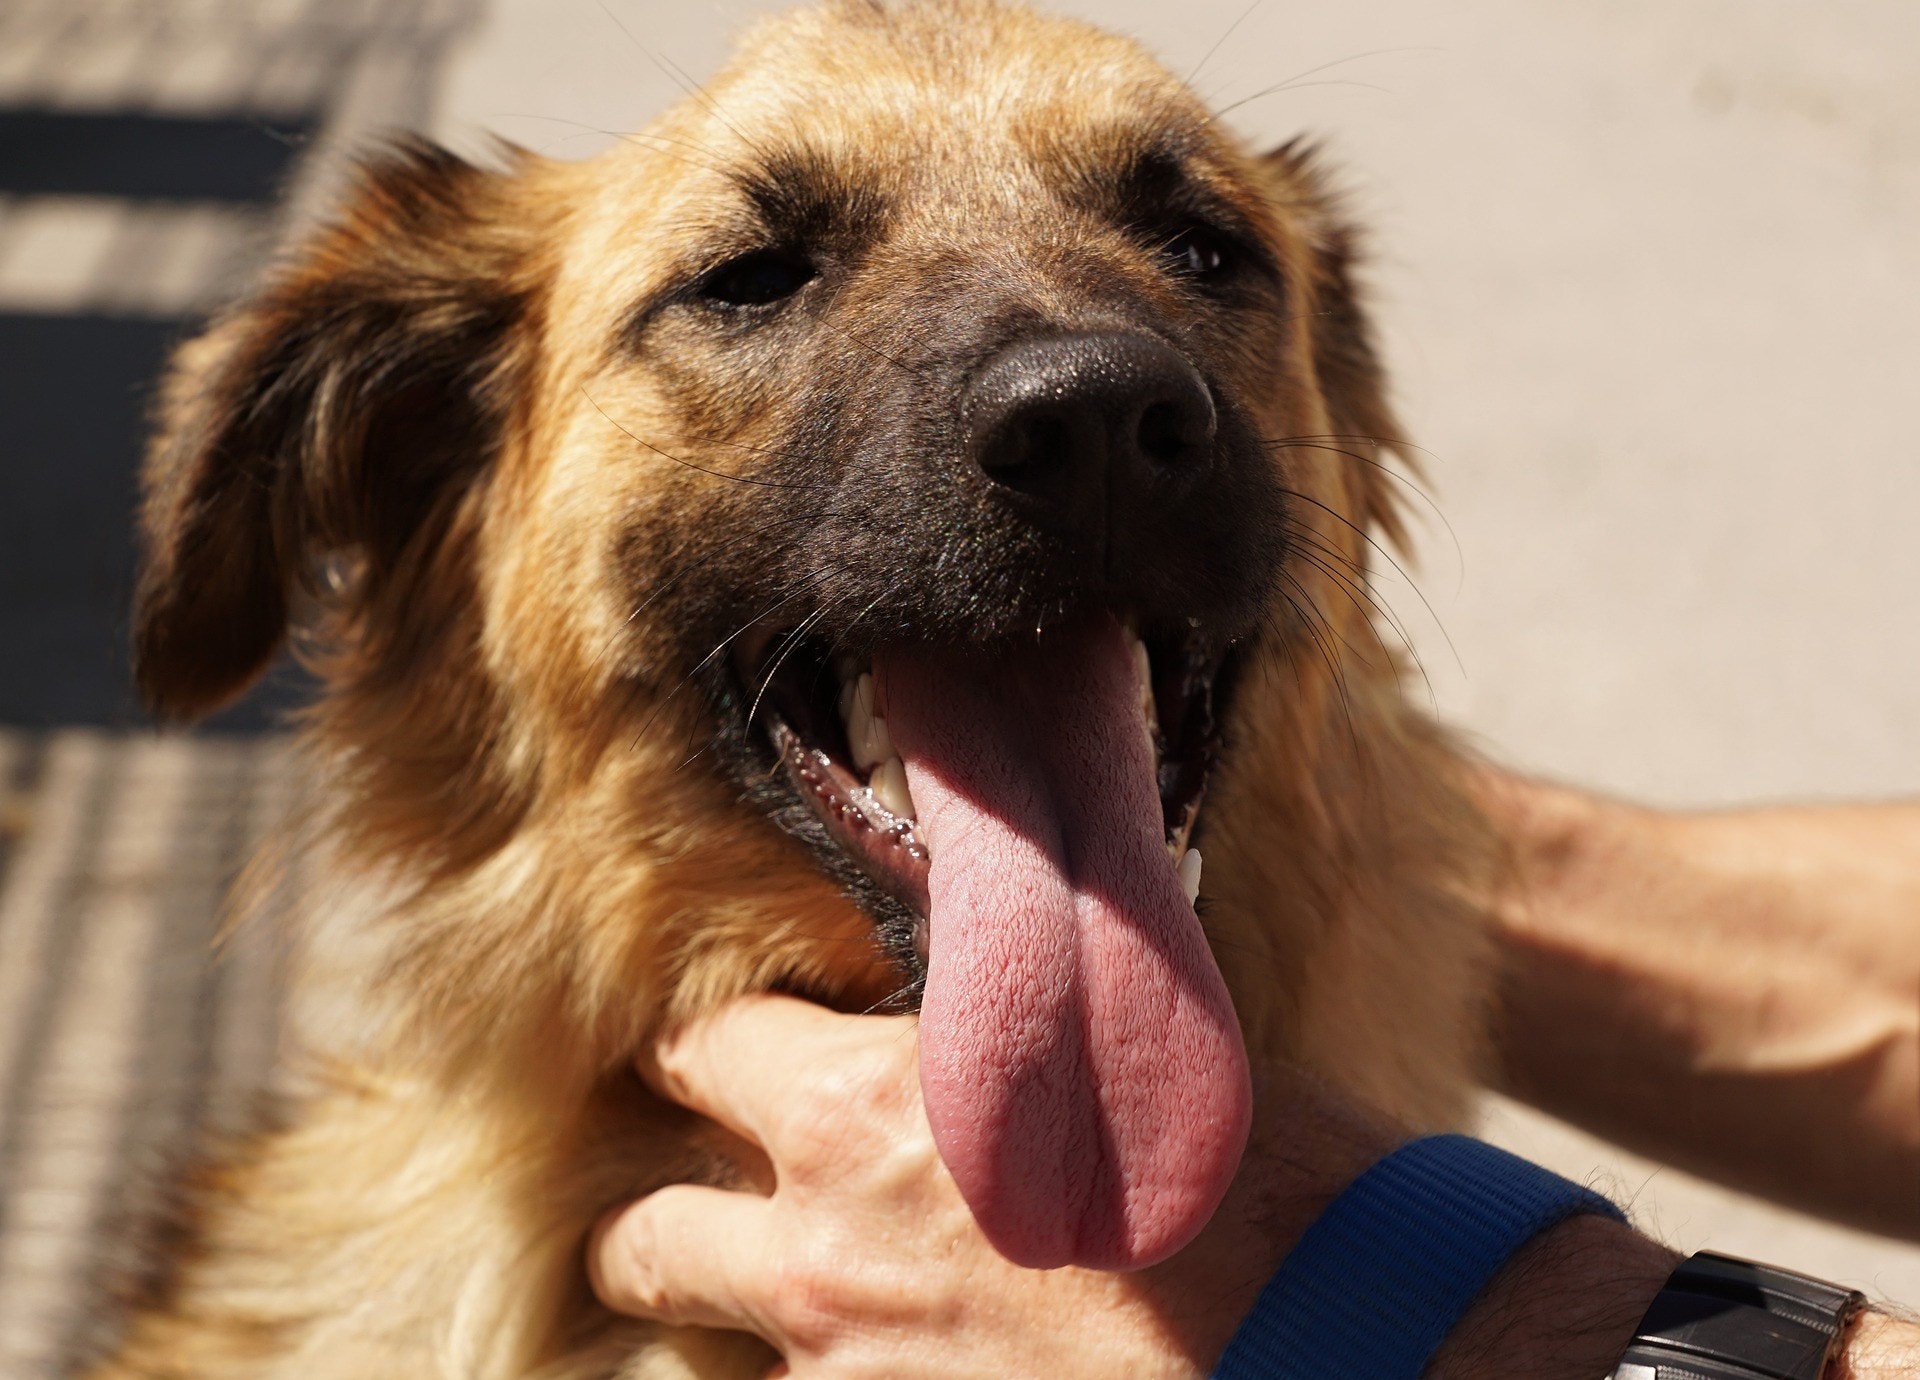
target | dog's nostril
x=1030, y=440
x=1166, y=433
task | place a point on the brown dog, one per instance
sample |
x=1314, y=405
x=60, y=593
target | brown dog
x=829, y=542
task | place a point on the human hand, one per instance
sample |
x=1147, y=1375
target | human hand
x=865, y=1261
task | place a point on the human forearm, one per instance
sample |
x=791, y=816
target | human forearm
x=1564, y=1308
x=1567, y=1306
x=1737, y=993
x=1878, y=1347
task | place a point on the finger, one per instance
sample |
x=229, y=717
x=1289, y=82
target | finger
x=752, y=1062
x=686, y=1255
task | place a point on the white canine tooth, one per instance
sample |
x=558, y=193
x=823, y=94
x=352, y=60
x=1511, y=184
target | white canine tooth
x=847, y=688
x=889, y=787
x=877, y=746
x=867, y=736
x=1190, y=875
x=1143, y=674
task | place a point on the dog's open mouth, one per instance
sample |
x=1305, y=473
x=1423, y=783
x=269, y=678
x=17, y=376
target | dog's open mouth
x=1080, y=1057
x=837, y=749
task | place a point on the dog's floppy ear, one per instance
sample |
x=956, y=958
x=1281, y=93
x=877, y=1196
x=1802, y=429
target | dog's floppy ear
x=333, y=412
x=1345, y=357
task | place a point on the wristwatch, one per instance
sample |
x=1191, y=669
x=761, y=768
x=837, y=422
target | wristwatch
x=1718, y=1318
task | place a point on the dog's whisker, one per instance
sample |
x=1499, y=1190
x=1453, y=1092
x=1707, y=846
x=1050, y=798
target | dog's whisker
x=686, y=83
x=715, y=162
x=1220, y=42
x=820, y=319
x=700, y=93
x=1312, y=623
x=1366, y=619
x=839, y=639
x=1379, y=443
x=902, y=998
x=688, y=464
x=1387, y=556
x=1367, y=606
x=911, y=337
x=664, y=587
x=772, y=452
x=788, y=643
x=1295, y=83
x=1354, y=574
x=1356, y=579
x=1297, y=86
x=1393, y=443
x=799, y=588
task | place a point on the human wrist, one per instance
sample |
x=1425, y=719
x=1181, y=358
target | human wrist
x=1568, y=1307
x=1417, y=1238
x=1310, y=1144
x=1877, y=1346
x=1563, y=1308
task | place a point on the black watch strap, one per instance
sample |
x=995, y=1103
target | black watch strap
x=1718, y=1318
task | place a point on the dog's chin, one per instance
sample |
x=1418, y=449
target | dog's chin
x=815, y=710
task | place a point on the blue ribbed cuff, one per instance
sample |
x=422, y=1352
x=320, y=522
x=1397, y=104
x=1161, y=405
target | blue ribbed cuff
x=1379, y=1280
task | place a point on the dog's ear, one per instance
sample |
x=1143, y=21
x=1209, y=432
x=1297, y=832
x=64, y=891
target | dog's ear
x=1345, y=357
x=333, y=413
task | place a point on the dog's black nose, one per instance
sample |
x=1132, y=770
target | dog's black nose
x=1093, y=427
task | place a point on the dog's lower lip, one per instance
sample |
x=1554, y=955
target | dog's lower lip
x=826, y=739
x=883, y=843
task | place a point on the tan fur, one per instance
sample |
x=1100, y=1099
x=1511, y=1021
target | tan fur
x=526, y=879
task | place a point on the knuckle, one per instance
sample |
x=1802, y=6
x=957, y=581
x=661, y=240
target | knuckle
x=676, y=1058
x=637, y=1283
x=640, y=1262
x=869, y=1083
x=650, y=1282
x=845, y=1111
x=808, y=1301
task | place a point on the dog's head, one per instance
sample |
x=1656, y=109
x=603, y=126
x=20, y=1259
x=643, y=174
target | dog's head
x=901, y=450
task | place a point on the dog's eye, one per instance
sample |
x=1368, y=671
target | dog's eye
x=755, y=280
x=1198, y=252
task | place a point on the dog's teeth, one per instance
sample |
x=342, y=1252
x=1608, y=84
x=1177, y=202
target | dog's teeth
x=889, y=787
x=1143, y=674
x=1190, y=875
x=876, y=746
x=867, y=736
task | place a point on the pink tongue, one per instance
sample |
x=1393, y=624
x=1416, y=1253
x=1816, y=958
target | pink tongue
x=1080, y=1058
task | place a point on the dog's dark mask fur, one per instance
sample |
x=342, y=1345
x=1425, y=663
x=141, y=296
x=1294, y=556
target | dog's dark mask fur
x=838, y=360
